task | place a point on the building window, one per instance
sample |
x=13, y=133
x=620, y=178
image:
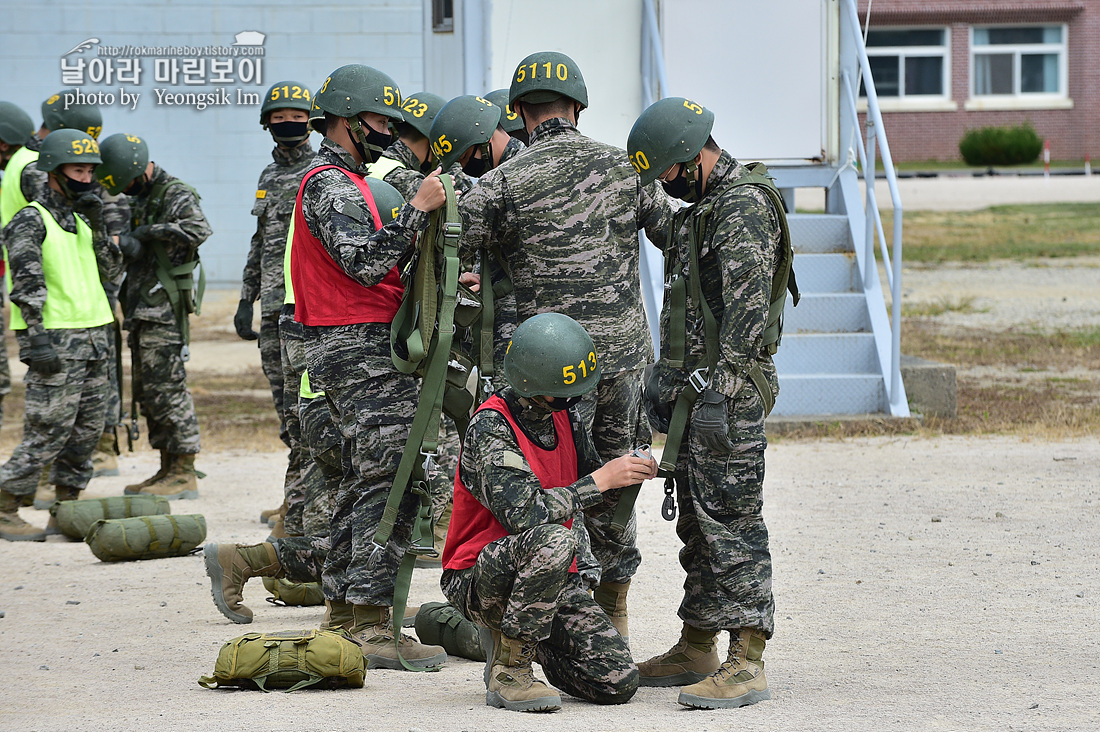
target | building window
x=908, y=62
x=443, y=16
x=1018, y=61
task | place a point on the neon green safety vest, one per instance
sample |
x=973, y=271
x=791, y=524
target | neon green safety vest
x=11, y=195
x=74, y=293
x=288, y=286
x=383, y=167
x=304, y=389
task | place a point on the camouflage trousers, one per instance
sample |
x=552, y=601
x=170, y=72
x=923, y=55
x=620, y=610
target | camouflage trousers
x=323, y=464
x=441, y=477
x=62, y=422
x=615, y=414
x=302, y=557
x=521, y=585
x=165, y=399
x=5, y=369
x=271, y=361
x=292, y=360
x=112, y=416
x=721, y=524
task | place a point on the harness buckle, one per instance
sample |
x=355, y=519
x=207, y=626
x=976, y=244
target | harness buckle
x=185, y=353
x=429, y=461
x=698, y=380
x=452, y=229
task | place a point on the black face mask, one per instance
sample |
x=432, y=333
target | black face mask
x=377, y=143
x=289, y=134
x=138, y=187
x=560, y=404
x=475, y=167
x=679, y=187
x=74, y=188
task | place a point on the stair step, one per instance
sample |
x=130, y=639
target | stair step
x=818, y=233
x=817, y=273
x=806, y=394
x=826, y=313
x=827, y=353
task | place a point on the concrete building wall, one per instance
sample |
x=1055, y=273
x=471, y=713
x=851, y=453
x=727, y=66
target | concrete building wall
x=219, y=150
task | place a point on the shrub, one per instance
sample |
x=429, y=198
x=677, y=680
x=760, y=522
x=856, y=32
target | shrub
x=1000, y=145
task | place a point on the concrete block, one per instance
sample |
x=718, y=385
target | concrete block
x=930, y=387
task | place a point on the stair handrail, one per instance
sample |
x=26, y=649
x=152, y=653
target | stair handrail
x=876, y=133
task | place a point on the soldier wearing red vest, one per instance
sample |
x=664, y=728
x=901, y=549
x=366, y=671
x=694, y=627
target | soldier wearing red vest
x=527, y=469
x=347, y=291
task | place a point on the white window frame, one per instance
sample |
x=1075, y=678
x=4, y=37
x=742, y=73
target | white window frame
x=915, y=102
x=1019, y=99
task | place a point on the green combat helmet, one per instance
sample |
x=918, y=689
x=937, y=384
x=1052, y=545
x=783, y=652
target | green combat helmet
x=509, y=120
x=16, y=126
x=125, y=157
x=551, y=355
x=353, y=89
x=462, y=123
x=84, y=117
x=67, y=146
x=544, y=76
x=420, y=109
x=285, y=95
x=668, y=132
x=387, y=198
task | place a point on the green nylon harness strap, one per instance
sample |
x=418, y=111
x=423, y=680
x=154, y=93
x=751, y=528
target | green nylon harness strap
x=437, y=296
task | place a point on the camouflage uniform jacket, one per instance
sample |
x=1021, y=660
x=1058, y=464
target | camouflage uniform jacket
x=275, y=194
x=495, y=471
x=407, y=179
x=738, y=252
x=116, y=210
x=362, y=252
x=24, y=235
x=566, y=215
x=180, y=226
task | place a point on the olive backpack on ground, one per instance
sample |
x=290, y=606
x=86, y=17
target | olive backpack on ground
x=286, y=592
x=75, y=518
x=146, y=537
x=289, y=660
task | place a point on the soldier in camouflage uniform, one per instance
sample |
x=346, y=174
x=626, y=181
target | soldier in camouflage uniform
x=168, y=225
x=528, y=468
x=510, y=122
x=60, y=255
x=285, y=113
x=565, y=215
x=347, y=291
x=736, y=230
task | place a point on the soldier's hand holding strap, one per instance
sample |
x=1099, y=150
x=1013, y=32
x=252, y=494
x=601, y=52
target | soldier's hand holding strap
x=91, y=207
x=130, y=246
x=242, y=321
x=624, y=471
x=143, y=233
x=710, y=423
x=430, y=195
x=40, y=355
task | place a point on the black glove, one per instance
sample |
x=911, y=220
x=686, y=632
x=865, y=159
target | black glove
x=130, y=246
x=40, y=355
x=143, y=233
x=91, y=207
x=659, y=412
x=242, y=321
x=710, y=423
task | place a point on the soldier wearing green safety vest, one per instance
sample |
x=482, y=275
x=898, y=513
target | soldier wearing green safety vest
x=285, y=114
x=727, y=272
x=60, y=255
x=163, y=288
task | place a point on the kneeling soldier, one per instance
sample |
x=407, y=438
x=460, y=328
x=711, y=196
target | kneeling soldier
x=509, y=565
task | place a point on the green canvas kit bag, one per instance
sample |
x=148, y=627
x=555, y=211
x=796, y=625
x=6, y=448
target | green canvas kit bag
x=146, y=537
x=289, y=660
x=74, y=518
x=286, y=592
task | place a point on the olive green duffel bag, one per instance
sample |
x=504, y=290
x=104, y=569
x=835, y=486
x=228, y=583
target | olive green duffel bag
x=74, y=518
x=286, y=592
x=146, y=537
x=289, y=660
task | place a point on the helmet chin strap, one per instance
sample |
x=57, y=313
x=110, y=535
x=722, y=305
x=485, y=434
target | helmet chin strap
x=359, y=138
x=694, y=175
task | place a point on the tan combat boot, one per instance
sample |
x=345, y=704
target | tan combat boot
x=61, y=493
x=338, y=615
x=611, y=596
x=693, y=658
x=12, y=527
x=230, y=566
x=374, y=634
x=266, y=516
x=738, y=682
x=43, y=493
x=178, y=481
x=105, y=456
x=510, y=681
x=135, y=488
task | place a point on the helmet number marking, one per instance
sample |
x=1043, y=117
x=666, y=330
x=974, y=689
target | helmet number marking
x=289, y=92
x=93, y=132
x=509, y=113
x=108, y=181
x=693, y=106
x=561, y=71
x=442, y=146
x=85, y=147
x=391, y=96
x=569, y=373
x=133, y=138
x=639, y=161
x=415, y=107
x=325, y=85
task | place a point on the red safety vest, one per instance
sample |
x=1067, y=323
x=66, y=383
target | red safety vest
x=324, y=294
x=473, y=526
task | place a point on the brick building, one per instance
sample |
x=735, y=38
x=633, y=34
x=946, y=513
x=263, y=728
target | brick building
x=942, y=67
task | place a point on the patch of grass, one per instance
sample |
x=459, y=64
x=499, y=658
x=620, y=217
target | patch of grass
x=1014, y=349
x=1000, y=232
x=939, y=307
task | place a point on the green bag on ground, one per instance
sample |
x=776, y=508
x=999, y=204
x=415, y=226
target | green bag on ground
x=289, y=660
x=74, y=518
x=287, y=592
x=146, y=537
